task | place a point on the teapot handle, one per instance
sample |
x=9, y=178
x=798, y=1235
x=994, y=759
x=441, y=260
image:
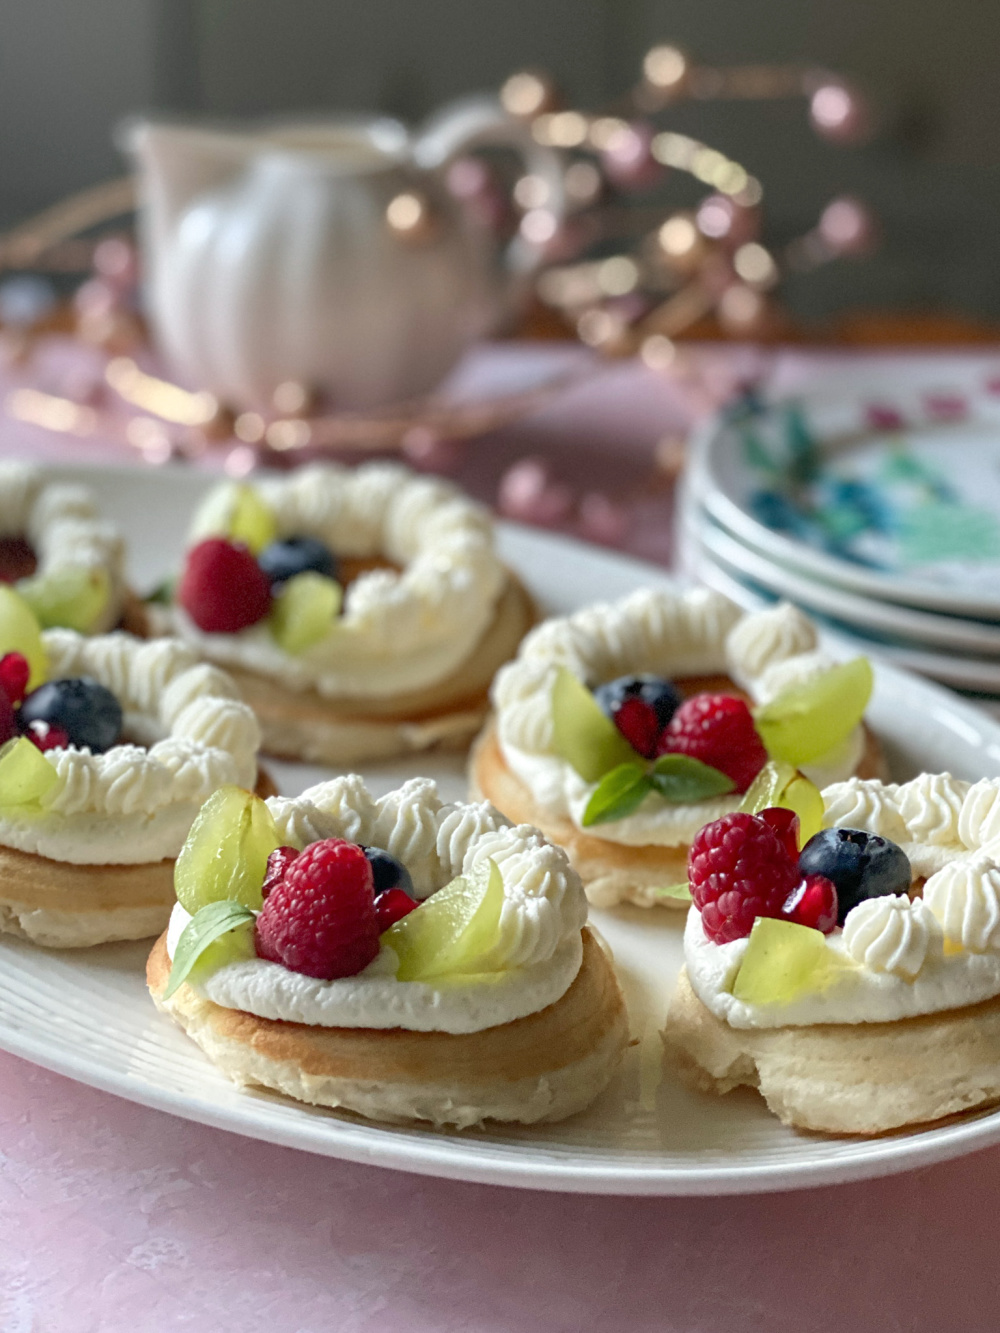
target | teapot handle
x=481, y=122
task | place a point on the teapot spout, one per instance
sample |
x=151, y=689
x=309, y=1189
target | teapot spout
x=176, y=163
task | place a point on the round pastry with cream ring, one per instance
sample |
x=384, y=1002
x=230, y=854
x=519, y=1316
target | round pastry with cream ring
x=889, y=1018
x=112, y=744
x=399, y=957
x=363, y=612
x=622, y=729
x=62, y=557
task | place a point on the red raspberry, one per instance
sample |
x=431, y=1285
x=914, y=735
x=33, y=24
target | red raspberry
x=277, y=864
x=392, y=906
x=718, y=729
x=14, y=673
x=638, y=723
x=813, y=903
x=223, y=589
x=738, y=870
x=320, y=920
x=46, y=735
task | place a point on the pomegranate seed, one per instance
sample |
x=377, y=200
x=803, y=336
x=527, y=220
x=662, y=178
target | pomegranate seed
x=813, y=903
x=14, y=673
x=47, y=736
x=277, y=863
x=786, y=824
x=638, y=723
x=392, y=906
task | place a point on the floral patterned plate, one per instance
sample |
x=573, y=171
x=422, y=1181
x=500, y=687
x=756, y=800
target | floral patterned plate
x=896, y=501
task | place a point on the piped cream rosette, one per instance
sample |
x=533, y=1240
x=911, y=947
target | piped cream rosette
x=79, y=578
x=893, y=1019
x=675, y=635
x=90, y=858
x=407, y=663
x=533, y=1034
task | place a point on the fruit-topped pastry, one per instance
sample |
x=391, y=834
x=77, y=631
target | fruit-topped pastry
x=108, y=747
x=622, y=729
x=851, y=974
x=55, y=550
x=363, y=612
x=401, y=958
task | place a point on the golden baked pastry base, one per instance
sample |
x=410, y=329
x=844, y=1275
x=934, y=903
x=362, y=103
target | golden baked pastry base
x=540, y=1068
x=843, y=1078
x=611, y=872
x=302, y=724
x=65, y=906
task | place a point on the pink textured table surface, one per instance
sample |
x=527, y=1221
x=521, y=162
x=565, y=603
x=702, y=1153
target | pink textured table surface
x=115, y=1217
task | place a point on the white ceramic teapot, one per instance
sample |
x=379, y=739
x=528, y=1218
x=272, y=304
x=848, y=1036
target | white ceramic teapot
x=271, y=256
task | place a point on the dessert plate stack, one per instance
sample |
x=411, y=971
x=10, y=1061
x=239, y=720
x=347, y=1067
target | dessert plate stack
x=873, y=501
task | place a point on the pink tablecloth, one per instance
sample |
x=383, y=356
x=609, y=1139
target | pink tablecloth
x=114, y=1217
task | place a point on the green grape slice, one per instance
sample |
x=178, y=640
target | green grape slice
x=784, y=960
x=25, y=774
x=453, y=931
x=304, y=611
x=69, y=598
x=236, y=511
x=780, y=784
x=808, y=721
x=582, y=734
x=20, y=633
x=225, y=855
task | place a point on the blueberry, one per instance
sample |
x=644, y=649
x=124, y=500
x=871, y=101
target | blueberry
x=284, y=559
x=89, y=713
x=387, y=872
x=663, y=697
x=861, y=865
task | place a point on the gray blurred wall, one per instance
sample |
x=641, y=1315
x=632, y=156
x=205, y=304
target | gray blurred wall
x=69, y=69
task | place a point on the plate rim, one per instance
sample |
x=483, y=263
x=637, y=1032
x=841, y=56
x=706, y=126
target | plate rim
x=709, y=437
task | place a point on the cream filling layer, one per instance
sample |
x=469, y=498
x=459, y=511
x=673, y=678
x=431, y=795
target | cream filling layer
x=375, y=999
x=398, y=630
x=859, y=995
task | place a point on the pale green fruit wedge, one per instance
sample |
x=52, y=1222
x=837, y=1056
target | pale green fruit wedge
x=783, y=961
x=219, y=933
x=235, y=946
x=808, y=721
x=582, y=733
x=70, y=598
x=225, y=855
x=304, y=611
x=453, y=931
x=781, y=784
x=21, y=633
x=25, y=774
x=237, y=512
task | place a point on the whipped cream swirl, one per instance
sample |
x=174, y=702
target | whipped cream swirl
x=669, y=634
x=62, y=525
x=135, y=803
x=400, y=630
x=538, y=946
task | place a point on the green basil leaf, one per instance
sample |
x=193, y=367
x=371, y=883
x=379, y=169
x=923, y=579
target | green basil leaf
x=207, y=925
x=617, y=794
x=678, y=892
x=678, y=777
x=164, y=594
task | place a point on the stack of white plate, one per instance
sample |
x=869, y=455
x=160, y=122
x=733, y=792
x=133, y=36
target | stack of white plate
x=873, y=504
